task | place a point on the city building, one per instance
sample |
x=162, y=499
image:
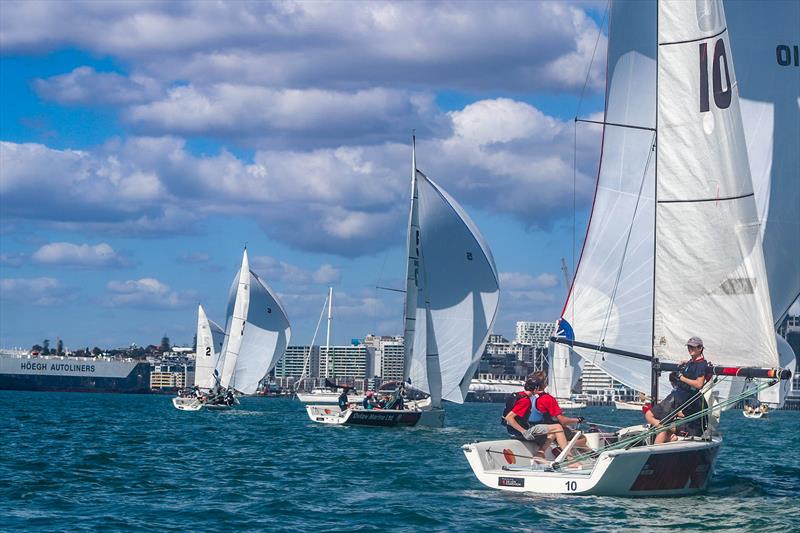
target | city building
x=789, y=329
x=346, y=362
x=298, y=361
x=389, y=356
x=171, y=376
x=534, y=333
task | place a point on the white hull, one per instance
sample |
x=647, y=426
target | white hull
x=569, y=404
x=628, y=406
x=676, y=468
x=417, y=414
x=754, y=414
x=327, y=397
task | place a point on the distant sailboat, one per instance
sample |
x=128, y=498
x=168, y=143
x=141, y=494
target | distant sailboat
x=451, y=302
x=673, y=250
x=256, y=335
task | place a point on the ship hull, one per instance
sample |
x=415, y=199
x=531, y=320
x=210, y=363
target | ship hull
x=73, y=375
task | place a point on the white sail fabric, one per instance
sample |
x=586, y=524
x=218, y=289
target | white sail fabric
x=563, y=371
x=610, y=301
x=763, y=37
x=209, y=342
x=710, y=277
x=258, y=332
x=459, y=289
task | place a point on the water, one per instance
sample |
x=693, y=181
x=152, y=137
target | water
x=127, y=462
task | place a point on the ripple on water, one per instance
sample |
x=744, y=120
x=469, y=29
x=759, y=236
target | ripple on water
x=123, y=462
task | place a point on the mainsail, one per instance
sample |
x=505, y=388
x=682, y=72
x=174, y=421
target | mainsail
x=257, y=332
x=209, y=342
x=652, y=274
x=452, y=293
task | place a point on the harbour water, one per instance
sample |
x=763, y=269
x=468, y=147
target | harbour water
x=83, y=462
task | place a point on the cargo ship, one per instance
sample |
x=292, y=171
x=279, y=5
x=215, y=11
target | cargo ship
x=24, y=371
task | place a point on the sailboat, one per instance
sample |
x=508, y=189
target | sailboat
x=673, y=250
x=328, y=393
x=256, y=335
x=452, y=293
x=210, y=337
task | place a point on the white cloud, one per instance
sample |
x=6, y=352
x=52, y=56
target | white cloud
x=147, y=293
x=41, y=292
x=274, y=270
x=515, y=281
x=80, y=255
x=467, y=46
x=86, y=86
x=504, y=156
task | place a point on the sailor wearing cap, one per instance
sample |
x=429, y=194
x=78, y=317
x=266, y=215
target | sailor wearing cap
x=692, y=378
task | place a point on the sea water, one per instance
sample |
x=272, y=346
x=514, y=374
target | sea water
x=77, y=462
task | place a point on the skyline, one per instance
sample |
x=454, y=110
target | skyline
x=181, y=132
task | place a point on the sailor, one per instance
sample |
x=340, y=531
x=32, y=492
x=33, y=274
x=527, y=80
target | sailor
x=666, y=411
x=343, y=403
x=547, y=407
x=693, y=375
x=368, y=402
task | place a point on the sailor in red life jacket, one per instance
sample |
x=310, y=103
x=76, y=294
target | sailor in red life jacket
x=551, y=413
x=525, y=422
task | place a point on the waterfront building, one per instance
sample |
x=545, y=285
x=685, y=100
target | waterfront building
x=171, y=376
x=789, y=329
x=298, y=361
x=503, y=359
x=534, y=333
x=346, y=362
x=599, y=387
x=389, y=356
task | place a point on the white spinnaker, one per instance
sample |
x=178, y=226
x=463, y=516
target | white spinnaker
x=257, y=331
x=710, y=277
x=238, y=303
x=209, y=342
x=610, y=301
x=460, y=287
x=266, y=335
x=763, y=37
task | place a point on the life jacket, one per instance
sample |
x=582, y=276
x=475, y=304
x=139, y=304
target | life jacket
x=538, y=416
x=511, y=401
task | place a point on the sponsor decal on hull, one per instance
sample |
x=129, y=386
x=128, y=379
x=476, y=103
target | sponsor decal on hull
x=673, y=471
x=379, y=418
x=511, y=482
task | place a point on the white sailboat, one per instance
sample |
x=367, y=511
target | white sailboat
x=256, y=335
x=210, y=337
x=451, y=302
x=673, y=250
x=327, y=394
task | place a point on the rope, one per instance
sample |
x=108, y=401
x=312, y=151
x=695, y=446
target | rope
x=629, y=442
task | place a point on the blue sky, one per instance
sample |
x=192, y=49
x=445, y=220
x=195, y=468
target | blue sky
x=143, y=144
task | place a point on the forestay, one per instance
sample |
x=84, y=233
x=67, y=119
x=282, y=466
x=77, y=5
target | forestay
x=209, y=342
x=457, y=294
x=257, y=331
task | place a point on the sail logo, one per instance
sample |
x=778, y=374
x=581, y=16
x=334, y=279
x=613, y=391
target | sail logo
x=787, y=56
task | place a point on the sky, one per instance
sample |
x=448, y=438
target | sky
x=143, y=145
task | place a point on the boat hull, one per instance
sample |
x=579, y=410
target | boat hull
x=672, y=469
x=756, y=414
x=194, y=404
x=327, y=398
x=628, y=406
x=332, y=415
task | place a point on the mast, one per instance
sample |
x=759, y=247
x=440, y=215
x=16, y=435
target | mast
x=654, y=372
x=412, y=270
x=328, y=335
